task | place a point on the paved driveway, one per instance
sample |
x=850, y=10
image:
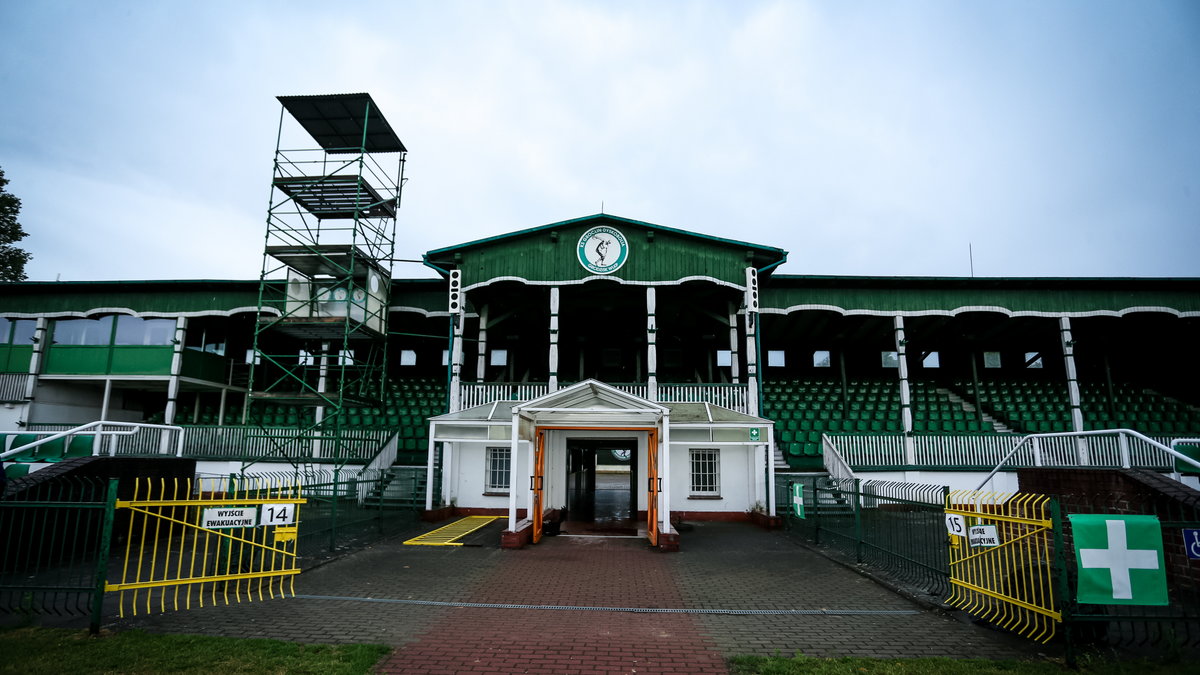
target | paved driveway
x=580, y=605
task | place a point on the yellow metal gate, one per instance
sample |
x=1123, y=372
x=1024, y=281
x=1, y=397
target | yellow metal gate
x=1002, y=560
x=235, y=543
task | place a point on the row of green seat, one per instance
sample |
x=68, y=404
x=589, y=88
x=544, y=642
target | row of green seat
x=56, y=450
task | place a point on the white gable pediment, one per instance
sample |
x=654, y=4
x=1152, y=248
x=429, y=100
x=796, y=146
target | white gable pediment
x=593, y=400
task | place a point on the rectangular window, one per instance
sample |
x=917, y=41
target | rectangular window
x=132, y=330
x=408, y=357
x=724, y=358
x=931, y=360
x=23, y=330
x=821, y=358
x=83, y=331
x=776, y=358
x=706, y=472
x=307, y=359
x=991, y=359
x=445, y=357
x=1033, y=359
x=889, y=359
x=499, y=357
x=499, y=467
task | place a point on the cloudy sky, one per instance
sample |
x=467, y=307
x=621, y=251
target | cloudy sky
x=1055, y=138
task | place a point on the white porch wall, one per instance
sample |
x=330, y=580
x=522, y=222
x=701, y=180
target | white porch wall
x=737, y=490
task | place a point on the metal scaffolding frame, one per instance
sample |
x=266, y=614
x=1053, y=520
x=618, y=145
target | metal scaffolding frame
x=320, y=343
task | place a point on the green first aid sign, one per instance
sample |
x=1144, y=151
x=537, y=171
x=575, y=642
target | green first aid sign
x=1120, y=560
x=798, y=500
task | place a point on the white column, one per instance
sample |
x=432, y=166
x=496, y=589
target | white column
x=514, y=448
x=107, y=397
x=651, y=346
x=664, y=471
x=319, y=413
x=481, y=362
x=40, y=344
x=529, y=464
x=1068, y=347
x=221, y=409
x=553, y=384
x=752, y=340
x=770, y=471
x=735, y=368
x=176, y=366
x=910, y=451
x=429, y=468
x=456, y=359
x=447, y=473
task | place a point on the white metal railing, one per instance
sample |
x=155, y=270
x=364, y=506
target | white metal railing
x=242, y=442
x=733, y=396
x=962, y=450
x=835, y=464
x=1109, y=448
x=12, y=386
x=1112, y=448
x=483, y=393
x=868, y=450
x=111, y=438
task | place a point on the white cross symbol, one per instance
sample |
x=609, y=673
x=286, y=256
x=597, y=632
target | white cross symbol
x=798, y=502
x=1119, y=559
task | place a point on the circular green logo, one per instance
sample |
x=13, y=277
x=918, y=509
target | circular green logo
x=602, y=250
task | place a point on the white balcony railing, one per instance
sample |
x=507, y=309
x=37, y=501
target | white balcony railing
x=733, y=396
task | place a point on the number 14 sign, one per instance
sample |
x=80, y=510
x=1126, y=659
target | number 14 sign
x=277, y=514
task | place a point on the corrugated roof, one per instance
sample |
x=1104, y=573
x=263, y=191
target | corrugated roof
x=336, y=122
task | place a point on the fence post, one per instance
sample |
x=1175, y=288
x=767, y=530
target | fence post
x=101, y=576
x=333, y=508
x=1062, y=589
x=1123, y=443
x=858, y=533
x=816, y=512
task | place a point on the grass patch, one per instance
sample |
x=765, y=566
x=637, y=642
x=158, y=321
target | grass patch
x=54, y=651
x=807, y=665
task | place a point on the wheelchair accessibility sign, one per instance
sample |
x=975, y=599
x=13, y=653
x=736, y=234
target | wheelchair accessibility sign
x=1191, y=542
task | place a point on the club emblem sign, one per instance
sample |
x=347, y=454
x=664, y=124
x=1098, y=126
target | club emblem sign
x=602, y=250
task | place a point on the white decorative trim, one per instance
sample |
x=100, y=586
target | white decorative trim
x=428, y=313
x=595, y=277
x=100, y=311
x=977, y=308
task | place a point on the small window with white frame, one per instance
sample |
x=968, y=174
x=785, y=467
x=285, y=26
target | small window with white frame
x=706, y=472
x=821, y=359
x=991, y=359
x=724, y=358
x=776, y=358
x=889, y=359
x=408, y=357
x=931, y=360
x=1033, y=359
x=499, y=470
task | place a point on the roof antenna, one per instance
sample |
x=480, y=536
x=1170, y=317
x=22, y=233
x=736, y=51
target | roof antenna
x=971, y=255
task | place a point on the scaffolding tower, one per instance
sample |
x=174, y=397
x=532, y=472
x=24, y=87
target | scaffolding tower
x=320, y=343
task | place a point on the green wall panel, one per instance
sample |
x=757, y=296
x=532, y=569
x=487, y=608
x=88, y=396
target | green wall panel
x=141, y=360
x=15, y=358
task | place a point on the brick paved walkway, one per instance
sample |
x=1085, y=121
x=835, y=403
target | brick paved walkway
x=364, y=598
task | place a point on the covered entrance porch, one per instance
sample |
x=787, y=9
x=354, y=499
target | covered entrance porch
x=594, y=460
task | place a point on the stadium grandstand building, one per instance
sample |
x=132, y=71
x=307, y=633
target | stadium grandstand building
x=602, y=372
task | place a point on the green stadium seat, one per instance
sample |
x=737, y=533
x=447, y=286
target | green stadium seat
x=16, y=470
x=80, y=446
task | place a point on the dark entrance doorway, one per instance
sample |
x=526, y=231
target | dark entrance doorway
x=601, y=487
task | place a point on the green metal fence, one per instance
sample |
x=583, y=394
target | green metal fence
x=347, y=509
x=895, y=528
x=55, y=535
x=54, y=543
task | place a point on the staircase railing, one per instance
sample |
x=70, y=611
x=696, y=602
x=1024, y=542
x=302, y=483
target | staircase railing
x=1083, y=455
